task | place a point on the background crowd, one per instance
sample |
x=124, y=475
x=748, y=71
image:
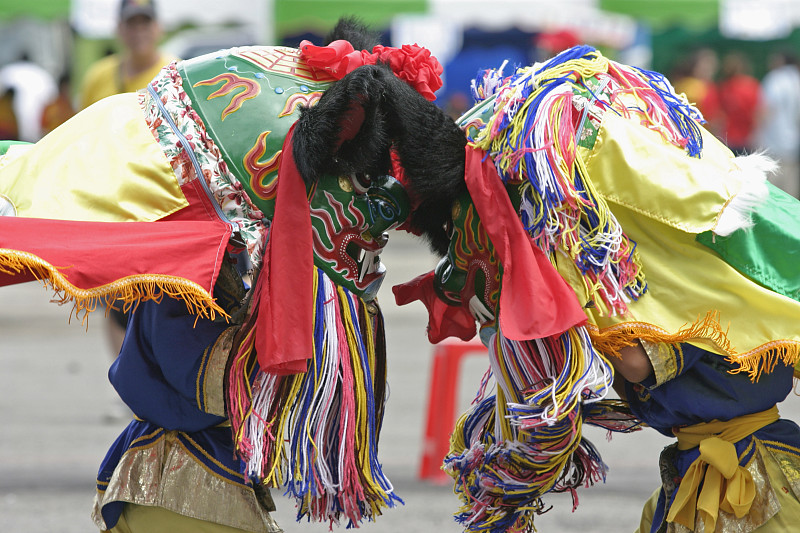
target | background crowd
x=750, y=100
x=747, y=113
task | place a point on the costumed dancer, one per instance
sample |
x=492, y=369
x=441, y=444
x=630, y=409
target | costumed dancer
x=146, y=198
x=597, y=231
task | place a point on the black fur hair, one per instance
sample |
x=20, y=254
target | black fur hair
x=353, y=105
x=360, y=118
x=354, y=30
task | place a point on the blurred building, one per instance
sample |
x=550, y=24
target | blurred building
x=465, y=35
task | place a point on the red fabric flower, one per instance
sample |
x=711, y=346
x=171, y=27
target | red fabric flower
x=414, y=65
x=411, y=63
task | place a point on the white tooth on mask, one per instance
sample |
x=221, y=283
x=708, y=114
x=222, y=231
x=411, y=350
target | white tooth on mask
x=370, y=262
x=479, y=311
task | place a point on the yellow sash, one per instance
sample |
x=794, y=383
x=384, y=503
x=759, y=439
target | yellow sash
x=726, y=484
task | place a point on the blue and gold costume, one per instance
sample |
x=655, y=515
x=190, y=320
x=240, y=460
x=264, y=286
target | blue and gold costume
x=170, y=373
x=653, y=232
x=688, y=388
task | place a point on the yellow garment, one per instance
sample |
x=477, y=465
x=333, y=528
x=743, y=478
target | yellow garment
x=662, y=199
x=779, y=510
x=146, y=519
x=117, y=158
x=726, y=485
x=633, y=166
x=648, y=512
x=104, y=78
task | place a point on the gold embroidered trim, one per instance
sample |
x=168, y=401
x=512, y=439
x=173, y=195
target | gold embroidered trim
x=130, y=290
x=211, y=378
x=209, y=458
x=783, y=447
x=788, y=458
x=167, y=475
x=662, y=357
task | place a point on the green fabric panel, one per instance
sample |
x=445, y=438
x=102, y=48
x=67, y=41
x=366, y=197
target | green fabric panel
x=769, y=252
x=660, y=13
x=46, y=9
x=293, y=16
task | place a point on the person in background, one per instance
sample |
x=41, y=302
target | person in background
x=33, y=88
x=60, y=109
x=457, y=104
x=136, y=64
x=696, y=80
x=739, y=94
x=9, y=130
x=551, y=43
x=779, y=119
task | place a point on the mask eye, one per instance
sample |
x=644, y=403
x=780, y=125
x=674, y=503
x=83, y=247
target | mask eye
x=448, y=228
x=361, y=183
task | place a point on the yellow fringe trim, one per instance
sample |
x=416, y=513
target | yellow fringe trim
x=765, y=357
x=754, y=362
x=129, y=290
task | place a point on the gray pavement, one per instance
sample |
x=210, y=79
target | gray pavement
x=55, y=400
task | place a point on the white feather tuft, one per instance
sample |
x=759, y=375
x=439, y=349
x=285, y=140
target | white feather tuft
x=752, y=170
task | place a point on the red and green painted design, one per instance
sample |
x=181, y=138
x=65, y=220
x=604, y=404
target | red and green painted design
x=248, y=98
x=349, y=224
x=469, y=275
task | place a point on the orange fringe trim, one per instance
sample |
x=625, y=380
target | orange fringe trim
x=130, y=290
x=761, y=359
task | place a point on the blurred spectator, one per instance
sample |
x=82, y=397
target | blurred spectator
x=139, y=61
x=9, y=131
x=696, y=79
x=33, y=88
x=779, y=119
x=739, y=94
x=549, y=44
x=60, y=109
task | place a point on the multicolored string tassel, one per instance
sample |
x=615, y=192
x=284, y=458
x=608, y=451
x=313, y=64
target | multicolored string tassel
x=490, y=81
x=525, y=441
x=533, y=136
x=316, y=433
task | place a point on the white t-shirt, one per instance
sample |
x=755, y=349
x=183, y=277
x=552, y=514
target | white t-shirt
x=779, y=131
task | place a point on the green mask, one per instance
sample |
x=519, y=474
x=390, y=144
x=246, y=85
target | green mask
x=248, y=98
x=469, y=275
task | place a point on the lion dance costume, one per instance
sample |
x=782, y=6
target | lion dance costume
x=599, y=214
x=148, y=201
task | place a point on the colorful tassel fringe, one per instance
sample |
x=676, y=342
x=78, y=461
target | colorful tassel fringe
x=533, y=136
x=316, y=434
x=525, y=441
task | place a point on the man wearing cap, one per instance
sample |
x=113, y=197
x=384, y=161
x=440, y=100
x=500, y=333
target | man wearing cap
x=133, y=68
x=139, y=61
